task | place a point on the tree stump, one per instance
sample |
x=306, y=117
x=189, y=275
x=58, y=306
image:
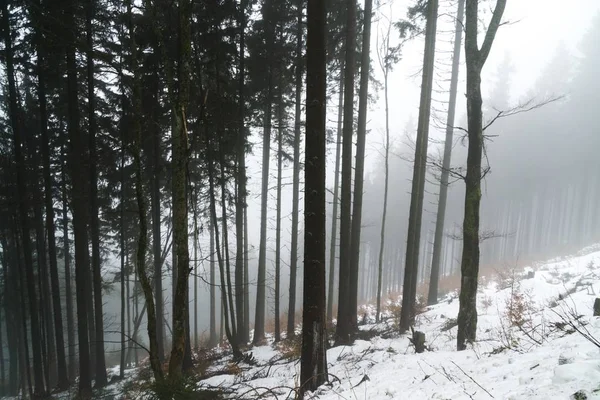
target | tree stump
x=418, y=340
x=597, y=307
x=530, y=274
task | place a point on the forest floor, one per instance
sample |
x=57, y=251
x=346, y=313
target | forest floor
x=536, y=339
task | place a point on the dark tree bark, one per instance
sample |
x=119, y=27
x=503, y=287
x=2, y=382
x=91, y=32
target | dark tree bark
x=22, y=204
x=360, y=164
x=226, y=260
x=11, y=312
x=259, y=319
x=313, y=364
x=100, y=366
x=291, y=322
x=385, y=64
x=344, y=321
x=67, y=260
x=246, y=280
x=124, y=299
x=240, y=204
x=411, y=270
x=24, y=360
x=180, y=161
x=63, y=378
x=475, y=60
x=78, y=203
x=278, y=212
x=220, y=250
x=145, y=282
x=45, y=300
x=195, y=218
x=336, y=186
x=441, y=212
x=213, y=340
x=156, y=222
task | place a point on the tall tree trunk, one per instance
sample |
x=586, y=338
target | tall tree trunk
x=360, y=163
x=259, y=320
x=220, y=250
x=180, y=161
x=385, y=67
x=24, y=360
x=240, y=204
x=278, y=212
x=475, y=59
x=145, y=282
x=411, y=269
x=313, y=364
x=441, y=212
x=156, y=224
x=246, y=280
x=63, y=378
x=78, y=204
x=344, y=320
x=11, y=312
x=47, y=321
x=213, y=340
x=21, y=200
x=124, y=299
x=196, y=343
x=67, y=261
x=336, y=186
x=291, y=323
x=100, y=367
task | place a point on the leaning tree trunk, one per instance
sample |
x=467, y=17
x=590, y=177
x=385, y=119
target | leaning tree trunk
x=291, y=322
x=313, y=364
x=409, y=291
x=344, y=320
x=441, y=212
x=475, y=59
x=360, y=164
x=23, y=212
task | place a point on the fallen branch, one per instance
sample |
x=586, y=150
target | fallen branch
x=471, y=378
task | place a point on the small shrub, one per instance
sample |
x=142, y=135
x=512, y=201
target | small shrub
x=486, y=302
x=290, y=348
x=232, y=368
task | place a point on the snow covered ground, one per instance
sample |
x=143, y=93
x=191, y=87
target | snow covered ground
x=535, y=340
x=541, y=357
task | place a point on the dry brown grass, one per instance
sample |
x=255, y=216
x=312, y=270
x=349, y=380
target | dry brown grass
x=232, y=369
x=290, y=348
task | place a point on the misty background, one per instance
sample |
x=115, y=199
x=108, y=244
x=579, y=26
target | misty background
x=538, y=198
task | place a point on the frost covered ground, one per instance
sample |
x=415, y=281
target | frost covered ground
x=544, y=357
